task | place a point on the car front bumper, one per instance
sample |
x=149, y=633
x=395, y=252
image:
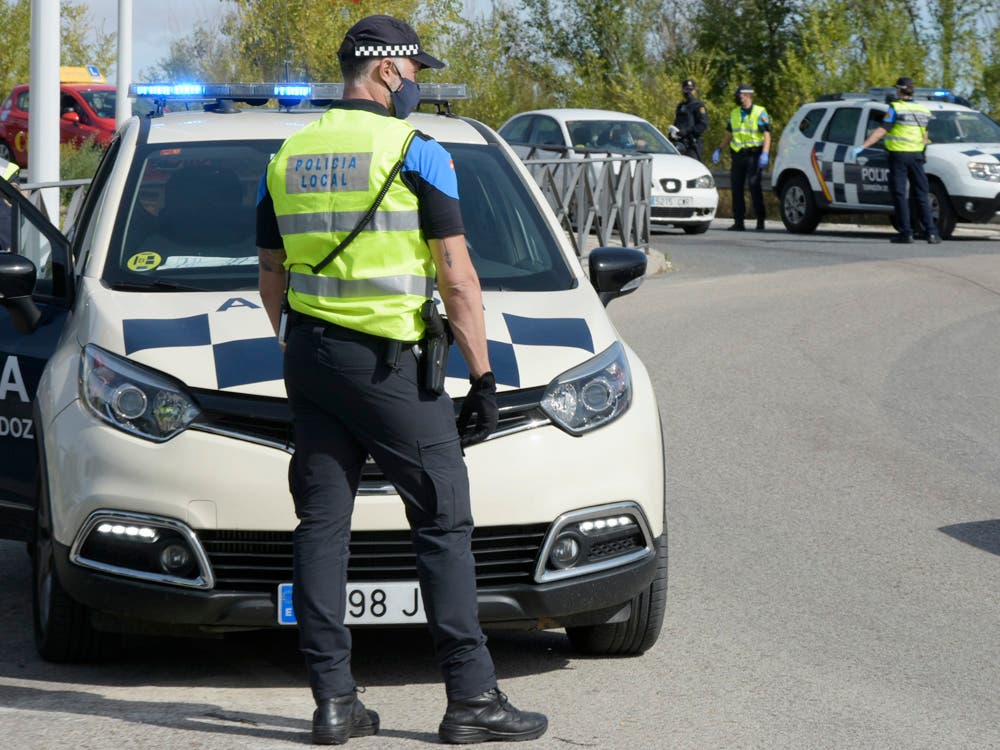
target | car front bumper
x=127, y=604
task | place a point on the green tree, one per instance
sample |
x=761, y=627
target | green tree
x=846, y=45
x=82, y=44
x=526, y=80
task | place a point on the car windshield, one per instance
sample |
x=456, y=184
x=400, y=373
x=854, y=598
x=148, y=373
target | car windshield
x=190, y=223
x=619, y=136
x=963, y=127
x=101, y=101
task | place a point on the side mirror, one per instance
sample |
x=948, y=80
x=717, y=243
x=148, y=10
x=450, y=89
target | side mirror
x=71, y=117
x=17, y=281
x=616, y=271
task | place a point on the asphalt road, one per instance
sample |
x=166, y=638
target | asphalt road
x=832, y=410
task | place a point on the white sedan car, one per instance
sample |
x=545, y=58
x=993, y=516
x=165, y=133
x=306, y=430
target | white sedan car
x=683, y=190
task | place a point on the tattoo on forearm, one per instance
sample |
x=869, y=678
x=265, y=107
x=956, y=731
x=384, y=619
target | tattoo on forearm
x=271, y=260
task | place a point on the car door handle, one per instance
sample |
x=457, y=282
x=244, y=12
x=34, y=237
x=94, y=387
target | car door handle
x=862, y=160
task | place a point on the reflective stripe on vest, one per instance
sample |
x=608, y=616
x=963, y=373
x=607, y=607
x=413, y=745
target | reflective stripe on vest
x=378, y=286
x=746, y=130
x=345, y=221
x=322, y=181
x=907, y=132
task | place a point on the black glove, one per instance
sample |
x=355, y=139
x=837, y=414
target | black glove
x=482, y=401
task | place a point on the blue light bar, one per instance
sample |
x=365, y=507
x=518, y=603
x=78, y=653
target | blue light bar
x=292, y=90
x=168, y=89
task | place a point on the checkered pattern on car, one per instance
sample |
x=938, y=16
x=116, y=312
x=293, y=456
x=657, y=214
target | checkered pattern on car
x=221, y=344
x=832, y=158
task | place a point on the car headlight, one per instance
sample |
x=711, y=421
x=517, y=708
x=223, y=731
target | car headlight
x=133, y=399
x=985, y=171
x=704, y=182
x=592, y=394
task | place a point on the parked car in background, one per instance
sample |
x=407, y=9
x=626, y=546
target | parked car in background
x=86, y=106
x=683, y=190
x=814, y=175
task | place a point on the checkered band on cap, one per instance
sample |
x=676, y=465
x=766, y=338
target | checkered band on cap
x=387, y=50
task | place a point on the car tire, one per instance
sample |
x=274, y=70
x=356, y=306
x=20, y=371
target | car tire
x=63, y=631
x=639, y=632
x=697, y=228
x=798, y=207
x=944, y=214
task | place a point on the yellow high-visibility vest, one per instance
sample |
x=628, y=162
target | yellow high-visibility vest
x=322, y=181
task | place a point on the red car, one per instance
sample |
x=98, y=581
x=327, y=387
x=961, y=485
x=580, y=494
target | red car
x=87, y=106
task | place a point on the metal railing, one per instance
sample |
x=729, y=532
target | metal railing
x=595, y=191
x=68, y=208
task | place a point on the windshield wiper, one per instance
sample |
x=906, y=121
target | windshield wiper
x=154, y=286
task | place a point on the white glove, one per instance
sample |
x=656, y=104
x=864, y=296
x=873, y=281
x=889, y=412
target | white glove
x=675, y=132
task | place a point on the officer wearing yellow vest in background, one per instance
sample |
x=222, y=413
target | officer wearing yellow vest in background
x=361, y=213
x=748, y=135
x=8, y=171
x=904, y=128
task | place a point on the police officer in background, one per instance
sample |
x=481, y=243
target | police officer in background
x=355, y=332
x=748, y=134
x=904, y=128
x=690, y=121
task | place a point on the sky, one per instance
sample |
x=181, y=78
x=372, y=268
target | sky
x=155, y=23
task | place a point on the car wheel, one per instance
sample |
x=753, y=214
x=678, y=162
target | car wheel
x=5, y=153
x=944, y=214
x=63, y=632
x=696, y=228
x=639, y=632
x=798, y=208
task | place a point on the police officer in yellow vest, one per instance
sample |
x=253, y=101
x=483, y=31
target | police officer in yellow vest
x=904, y=128
x=748, y=135
x=355, y=337
x=8, y=171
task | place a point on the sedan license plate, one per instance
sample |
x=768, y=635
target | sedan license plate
x=672, y=201
x=395, y=603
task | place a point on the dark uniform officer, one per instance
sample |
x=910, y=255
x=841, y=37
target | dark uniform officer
x=905, y=130
x=353, y=378
x=691, y=120
x=748, y=134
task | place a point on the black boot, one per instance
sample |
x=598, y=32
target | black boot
x=489, y=716
x=336, y=720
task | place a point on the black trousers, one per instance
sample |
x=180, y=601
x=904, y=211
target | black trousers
x=746, y=172
x=692, y=147
x=903, y=166
x=346, y=404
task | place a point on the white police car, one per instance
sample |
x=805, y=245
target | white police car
x=144, y=431
x=813, y=174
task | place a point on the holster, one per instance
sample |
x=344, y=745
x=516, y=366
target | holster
x=434, y=352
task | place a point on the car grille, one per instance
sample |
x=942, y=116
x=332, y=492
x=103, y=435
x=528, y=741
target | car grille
x=267, y=421
x=667, y=212
x=260, y=560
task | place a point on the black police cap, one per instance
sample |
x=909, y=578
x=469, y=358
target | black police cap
x=904, y=83
x=688, y=85
x=385, y=36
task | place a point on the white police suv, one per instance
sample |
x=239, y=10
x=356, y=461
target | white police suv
x=144, y=430
x=813, y=174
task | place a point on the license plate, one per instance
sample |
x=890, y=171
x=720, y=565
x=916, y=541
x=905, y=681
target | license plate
x=672, y=201
x=396, y=603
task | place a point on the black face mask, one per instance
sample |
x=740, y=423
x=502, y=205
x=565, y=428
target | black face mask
x=405, y=98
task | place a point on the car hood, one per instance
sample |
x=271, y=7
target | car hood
x=223, y=340
x=954, y=152
x=682, y=168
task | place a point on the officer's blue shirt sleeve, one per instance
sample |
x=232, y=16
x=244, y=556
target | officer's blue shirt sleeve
x=429, y=172
x=764, y=121
x=890, y=116
x=268, y=235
